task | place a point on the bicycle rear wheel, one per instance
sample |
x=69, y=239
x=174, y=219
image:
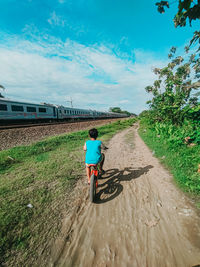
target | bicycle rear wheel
x=92, y=188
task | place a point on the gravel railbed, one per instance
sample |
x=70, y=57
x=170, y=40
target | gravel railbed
x=24, y=136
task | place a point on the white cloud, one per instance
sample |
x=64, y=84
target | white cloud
x=53, y=71
x=124, y=101
x=56, y=20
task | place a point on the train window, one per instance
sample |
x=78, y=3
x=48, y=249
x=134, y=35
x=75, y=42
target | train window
x=60, y=111
x=65, y=111
x=42, y=110
x=3, y=107
x=17, y=108
x=31, y=109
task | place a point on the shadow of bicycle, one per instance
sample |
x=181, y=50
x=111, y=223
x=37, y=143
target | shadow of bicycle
x=112, y=187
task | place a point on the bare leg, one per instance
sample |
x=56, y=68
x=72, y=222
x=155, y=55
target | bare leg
x=102, y=162
x=88, y=173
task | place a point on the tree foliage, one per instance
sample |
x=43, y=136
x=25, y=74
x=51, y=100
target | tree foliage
x=187, y=9
x=172, y=90
x=118, y=110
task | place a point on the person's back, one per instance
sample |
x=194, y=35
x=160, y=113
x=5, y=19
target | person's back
x=93, y=152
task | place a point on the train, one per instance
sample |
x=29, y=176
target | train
x=15, y=111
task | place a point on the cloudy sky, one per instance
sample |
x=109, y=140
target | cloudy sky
x=100, y=53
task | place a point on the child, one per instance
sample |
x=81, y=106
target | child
x=93, y=152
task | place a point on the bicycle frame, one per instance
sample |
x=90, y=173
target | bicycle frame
x=93, y=181
x=94, y=170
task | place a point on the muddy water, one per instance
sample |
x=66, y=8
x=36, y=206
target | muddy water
x=140, y=217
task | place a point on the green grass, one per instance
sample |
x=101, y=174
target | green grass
x=181, y=160
x=41, y=174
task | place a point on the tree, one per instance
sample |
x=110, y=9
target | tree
x=171, y=92
x=115, y=109
x=187, y=10
x=118, y=110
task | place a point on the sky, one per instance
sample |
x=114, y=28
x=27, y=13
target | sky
x=99, y=53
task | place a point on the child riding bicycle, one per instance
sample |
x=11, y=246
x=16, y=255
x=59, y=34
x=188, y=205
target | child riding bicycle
x=93, y=152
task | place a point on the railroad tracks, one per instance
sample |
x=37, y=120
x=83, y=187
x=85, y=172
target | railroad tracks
x=16, y=126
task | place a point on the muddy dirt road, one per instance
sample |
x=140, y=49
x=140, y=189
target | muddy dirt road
x=140, y=219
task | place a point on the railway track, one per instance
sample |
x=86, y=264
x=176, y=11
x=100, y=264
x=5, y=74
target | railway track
x=17, y=126
x=13, y=126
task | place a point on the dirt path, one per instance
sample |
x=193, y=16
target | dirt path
x=140, y=218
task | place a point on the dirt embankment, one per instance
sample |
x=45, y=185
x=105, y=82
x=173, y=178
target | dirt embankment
x=24, y=136
x=140, y=218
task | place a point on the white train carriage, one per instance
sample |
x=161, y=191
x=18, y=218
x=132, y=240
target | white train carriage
x=70, y=113
x=14, y=110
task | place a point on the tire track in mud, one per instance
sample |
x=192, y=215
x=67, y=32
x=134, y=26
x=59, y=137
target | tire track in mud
x=139, y=219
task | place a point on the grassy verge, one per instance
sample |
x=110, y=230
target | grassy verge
x=181, y=160
x=35, y=182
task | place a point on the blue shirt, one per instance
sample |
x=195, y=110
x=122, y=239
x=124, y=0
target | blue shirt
x=93, y=152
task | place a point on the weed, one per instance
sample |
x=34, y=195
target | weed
x=181, y=158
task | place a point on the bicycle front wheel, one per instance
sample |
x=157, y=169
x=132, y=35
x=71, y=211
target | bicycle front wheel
x=92, y=188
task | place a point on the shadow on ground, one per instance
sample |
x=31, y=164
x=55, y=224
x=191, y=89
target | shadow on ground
x=112, y=187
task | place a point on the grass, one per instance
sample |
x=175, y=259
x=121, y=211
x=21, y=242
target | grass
x=35, y=182
x=181, y=160
x=129, y=139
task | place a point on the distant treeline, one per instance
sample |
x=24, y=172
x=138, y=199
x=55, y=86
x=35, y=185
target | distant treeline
x=118, y=110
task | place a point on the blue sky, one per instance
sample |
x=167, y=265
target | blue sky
x=100, y=53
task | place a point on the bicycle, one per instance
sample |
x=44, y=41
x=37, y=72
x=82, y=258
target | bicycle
x=94, y=175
